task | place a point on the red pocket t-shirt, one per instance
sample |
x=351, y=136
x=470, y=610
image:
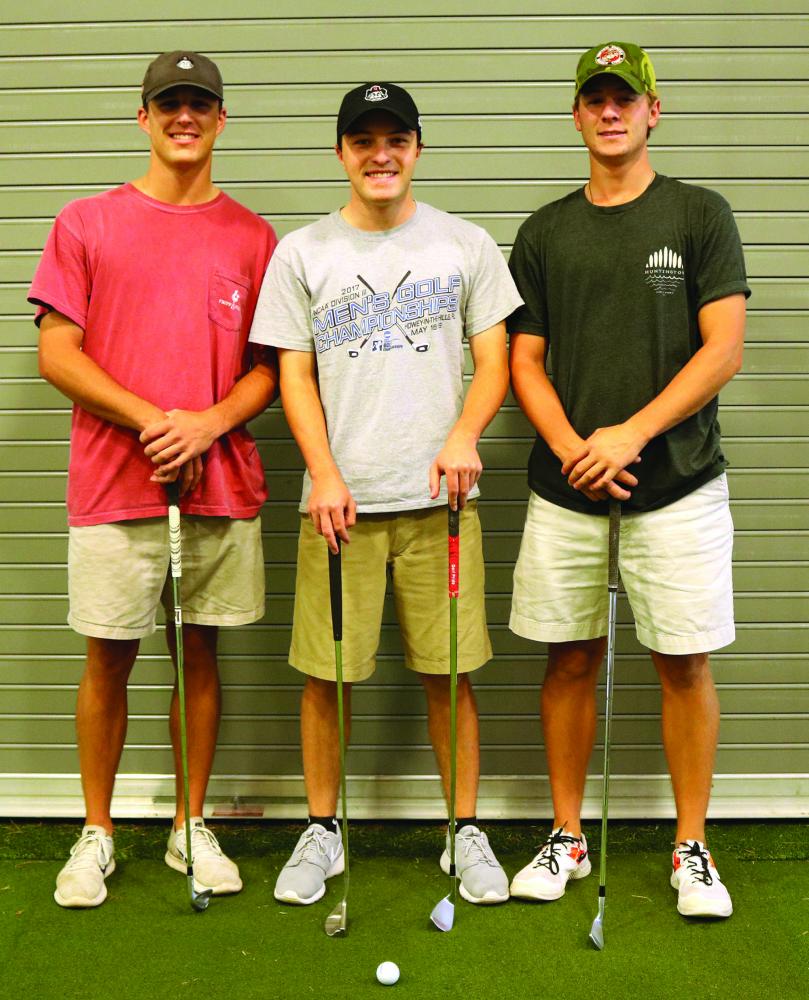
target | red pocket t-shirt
x=165, y=295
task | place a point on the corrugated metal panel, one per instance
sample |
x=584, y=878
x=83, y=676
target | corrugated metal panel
x=495, y=93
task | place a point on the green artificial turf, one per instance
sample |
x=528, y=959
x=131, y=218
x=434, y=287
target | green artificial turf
x=146, y=942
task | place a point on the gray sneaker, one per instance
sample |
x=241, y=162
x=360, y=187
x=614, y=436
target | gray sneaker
x=317, y=856
x=482, y=878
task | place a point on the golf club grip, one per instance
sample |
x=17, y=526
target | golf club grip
x=614, y=537
x=175, y=548
x=454, y=518
x=336, y=592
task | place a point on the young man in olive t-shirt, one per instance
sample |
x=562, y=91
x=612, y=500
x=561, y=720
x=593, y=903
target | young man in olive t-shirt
x=634, y=288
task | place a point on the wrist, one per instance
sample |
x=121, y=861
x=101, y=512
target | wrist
x=640, y=430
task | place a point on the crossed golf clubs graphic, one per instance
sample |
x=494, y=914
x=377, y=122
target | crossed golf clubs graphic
x=416, y=347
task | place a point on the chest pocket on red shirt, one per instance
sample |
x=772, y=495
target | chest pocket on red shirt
x=227, y=298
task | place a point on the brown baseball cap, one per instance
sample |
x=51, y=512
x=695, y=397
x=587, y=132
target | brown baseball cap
x=181, y=69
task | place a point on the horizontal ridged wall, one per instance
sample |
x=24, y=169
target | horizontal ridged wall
x=494, y=91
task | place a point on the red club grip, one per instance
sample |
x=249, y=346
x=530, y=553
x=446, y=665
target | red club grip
x=454, y=552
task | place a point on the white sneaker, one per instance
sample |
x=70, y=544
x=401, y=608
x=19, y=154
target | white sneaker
x=318, y=855
x=81, y=881
x=481, y=875
x=562, y=857
x=213, y=869
x=700, y=892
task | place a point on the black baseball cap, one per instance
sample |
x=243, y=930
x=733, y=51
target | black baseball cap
x=377, y=97
x=181, y=69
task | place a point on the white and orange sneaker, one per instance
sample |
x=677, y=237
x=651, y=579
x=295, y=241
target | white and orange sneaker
x=700, y=892
x=561, y=857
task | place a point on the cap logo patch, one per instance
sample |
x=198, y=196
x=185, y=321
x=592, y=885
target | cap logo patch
x=610, y=55
x=185, y=63
x=376, y=93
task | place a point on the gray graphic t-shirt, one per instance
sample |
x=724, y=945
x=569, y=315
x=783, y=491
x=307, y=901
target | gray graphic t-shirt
x=385, y=313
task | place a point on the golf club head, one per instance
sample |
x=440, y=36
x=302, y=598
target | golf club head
x=443, y=915
x=200, y=898
x=597, y=933
x=336, y=921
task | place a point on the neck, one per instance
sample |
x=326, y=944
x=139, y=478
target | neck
x=177, y=187
x=618, y=183
x=378, y=218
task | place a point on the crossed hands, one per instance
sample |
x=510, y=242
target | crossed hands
x=175, y=444
x=599, y=466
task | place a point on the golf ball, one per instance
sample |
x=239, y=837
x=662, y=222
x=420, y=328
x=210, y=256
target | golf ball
x=387, y=973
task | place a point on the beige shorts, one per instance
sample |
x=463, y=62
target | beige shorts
x=118, y=574
x=675, y=566
x=412, y=547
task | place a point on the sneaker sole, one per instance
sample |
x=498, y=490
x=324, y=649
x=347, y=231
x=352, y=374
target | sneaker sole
x=82, y=902
x=527, y=889
x=291, y=897
x=222, y=889
x=701, y=907
x=490, y=899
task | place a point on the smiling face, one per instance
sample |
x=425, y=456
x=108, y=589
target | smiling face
x=182, y=124
x=614, y=120
x=379, y=156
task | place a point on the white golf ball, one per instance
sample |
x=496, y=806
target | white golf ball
x=387, y=973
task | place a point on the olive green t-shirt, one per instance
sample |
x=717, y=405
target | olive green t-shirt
x=616, y=292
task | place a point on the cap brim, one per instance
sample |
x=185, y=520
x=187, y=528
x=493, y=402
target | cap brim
x=371, y=111
x=180, y=83
x=637, y=85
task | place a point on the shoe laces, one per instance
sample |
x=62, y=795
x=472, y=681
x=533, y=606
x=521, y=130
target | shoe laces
x=555, y=845
x=89, y=852
x=696, y=861
x=203, y=841
x=312, y=845
x=476, y=846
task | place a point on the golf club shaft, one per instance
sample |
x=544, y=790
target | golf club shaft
x=612, y=585
x=175, y=548
x=454, y=570
x=336, y=596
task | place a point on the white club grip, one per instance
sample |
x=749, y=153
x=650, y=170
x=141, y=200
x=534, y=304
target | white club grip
x=174, y=541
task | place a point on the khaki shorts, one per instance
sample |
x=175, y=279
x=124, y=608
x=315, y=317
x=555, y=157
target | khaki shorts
x=412, y=546
x=675, y=566
x=118, y=574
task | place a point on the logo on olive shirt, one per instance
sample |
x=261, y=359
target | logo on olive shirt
x=665, y=271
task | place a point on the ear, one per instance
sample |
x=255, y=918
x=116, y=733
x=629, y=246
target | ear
x=576, y=119
x=223, y=114
x=654, y=113
x=143, y=120
x=338, y=149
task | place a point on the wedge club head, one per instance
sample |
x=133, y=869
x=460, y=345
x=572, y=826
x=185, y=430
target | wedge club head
x=336, y=921
x=200, y=898
x=597, y=930
x=443, y=915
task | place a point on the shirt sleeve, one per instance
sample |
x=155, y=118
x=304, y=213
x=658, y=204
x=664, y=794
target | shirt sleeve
x=720, y=267
x=524, y=265
x=62, y=281
x=283, y=313
x=492, y=292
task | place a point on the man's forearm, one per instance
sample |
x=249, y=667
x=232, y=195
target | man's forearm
x=540, y=403
x=83, y=381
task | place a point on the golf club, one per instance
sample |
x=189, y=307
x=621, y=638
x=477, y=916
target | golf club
x=443, y=915
x=337, y=920
x=597, y=930
x=199, y=898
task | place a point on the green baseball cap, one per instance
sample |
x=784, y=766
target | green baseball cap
x=630, y=62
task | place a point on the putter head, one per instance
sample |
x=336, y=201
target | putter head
x=336, y=921
x=597, y=933
x=443, y=915
x=200, y=898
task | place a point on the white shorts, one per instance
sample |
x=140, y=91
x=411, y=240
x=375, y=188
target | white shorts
x=675, y=566
x=118, y=574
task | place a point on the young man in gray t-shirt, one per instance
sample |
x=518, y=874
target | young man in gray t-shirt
x=368, y=308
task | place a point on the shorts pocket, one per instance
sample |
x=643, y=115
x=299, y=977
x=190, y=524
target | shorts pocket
x=227, y=298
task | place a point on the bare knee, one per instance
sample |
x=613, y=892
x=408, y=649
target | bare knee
x=436, y=687
x=111, y=659
x=575, y=662
x=319, y=692
x=685, y=672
